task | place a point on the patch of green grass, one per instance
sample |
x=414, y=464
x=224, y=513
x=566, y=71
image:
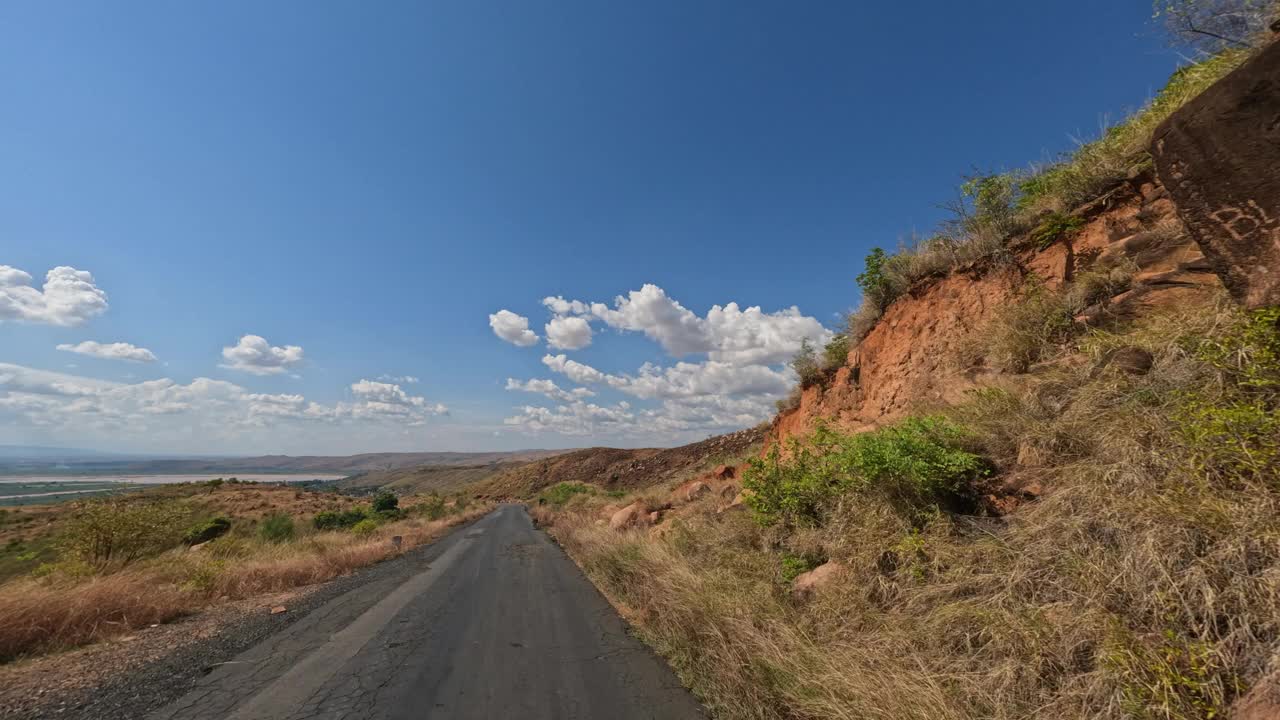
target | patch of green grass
x=561, y=493
x=915, y=465
x=277, y=528
x=1054, y=227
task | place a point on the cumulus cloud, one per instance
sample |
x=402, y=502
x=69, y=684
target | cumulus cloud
x=738, y=372
x=575, y=418
x=379, y=400
x=211, y=410
x=69, y=297
x=550, y=389
x=513, y=328
x=568, y=333
x=110, y=351
x=253, y=354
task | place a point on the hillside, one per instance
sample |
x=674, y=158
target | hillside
x=618, y=469
x=1036, y=478
x=420, y=479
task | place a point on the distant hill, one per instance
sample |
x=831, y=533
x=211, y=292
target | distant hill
x=337, y=465
x=616, y=468
x=428, y=478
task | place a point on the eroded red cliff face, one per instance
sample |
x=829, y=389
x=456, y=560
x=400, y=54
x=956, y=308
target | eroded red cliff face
x=913, y=357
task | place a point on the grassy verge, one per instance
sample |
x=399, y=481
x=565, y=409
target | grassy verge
x=122, y=565
x=1144, y=582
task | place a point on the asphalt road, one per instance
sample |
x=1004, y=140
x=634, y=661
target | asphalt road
x=494, y=622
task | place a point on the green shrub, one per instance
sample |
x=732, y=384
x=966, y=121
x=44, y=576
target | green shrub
x=793, y=566
x=365, y=527
x=805, y=363
x=385, y=502
x=433, y=507
x=108, y=531
x=276, y=527
x=561, y=493
x=206, y=531
x=1233, y=430
x=916, y=466
x=1054, y=227
x=836, y=353
x=337, y=520
x=872, y=279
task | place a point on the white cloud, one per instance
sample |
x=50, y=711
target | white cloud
x=575, y=418
x=69, y=297
x=200, y=415
x=253, y=354
x=734, y=383
x=405, y=379
x=513, y=328
x=578, y=372
x=550, y=389
x=379, y=400
x=649, y=310
x=568, y=333
x=110, y=351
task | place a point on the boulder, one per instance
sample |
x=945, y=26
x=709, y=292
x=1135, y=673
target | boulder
x=695, y=491
x=1260, y=703
x=633, y=515
x=655, y=517
x=724, y=472
x=1131, y=360
x=1217, y=156
x=806, y=584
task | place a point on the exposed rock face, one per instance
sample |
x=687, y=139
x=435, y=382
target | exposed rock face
x=1218, y=155
x=808, y=583
x=912, y=357
x=695, y=491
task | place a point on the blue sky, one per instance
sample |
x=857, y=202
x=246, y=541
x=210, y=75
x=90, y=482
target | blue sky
x=370, y=182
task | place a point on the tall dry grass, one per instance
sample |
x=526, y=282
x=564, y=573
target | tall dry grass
x=1139, y=585
x=75, y=605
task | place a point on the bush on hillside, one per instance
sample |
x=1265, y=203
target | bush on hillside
x=205, y=531
x=805, y=363
x=339, y=519
x=385, y=502
x=365, y=527
x=119, y=531
x=561, y=493
x=277, y=528
x=433, y=507
x=916, y=466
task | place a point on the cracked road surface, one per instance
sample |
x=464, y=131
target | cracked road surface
x=494, y=622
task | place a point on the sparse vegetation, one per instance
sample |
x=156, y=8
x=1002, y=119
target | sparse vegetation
x=113, y=566
x=277, y=528
x=208, y=530
x=1142, y=585
x=916, y=466
x=994, y=212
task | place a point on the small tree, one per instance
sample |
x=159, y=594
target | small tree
x=875, y=287
x=805, y=363
x=385, y=502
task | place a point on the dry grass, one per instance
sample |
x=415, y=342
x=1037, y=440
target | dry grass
x=74, y=604
x=1138, y=586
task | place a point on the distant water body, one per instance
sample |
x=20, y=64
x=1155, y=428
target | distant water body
x=165, y=479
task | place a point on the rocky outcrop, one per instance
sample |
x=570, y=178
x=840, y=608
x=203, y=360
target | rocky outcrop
x=916, y=354
x=807, y=583
x=1218, y=155
x=637, y=514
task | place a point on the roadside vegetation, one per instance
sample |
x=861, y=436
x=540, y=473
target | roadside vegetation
x=88, y=571
x=1138, y=577
x=994, y=214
